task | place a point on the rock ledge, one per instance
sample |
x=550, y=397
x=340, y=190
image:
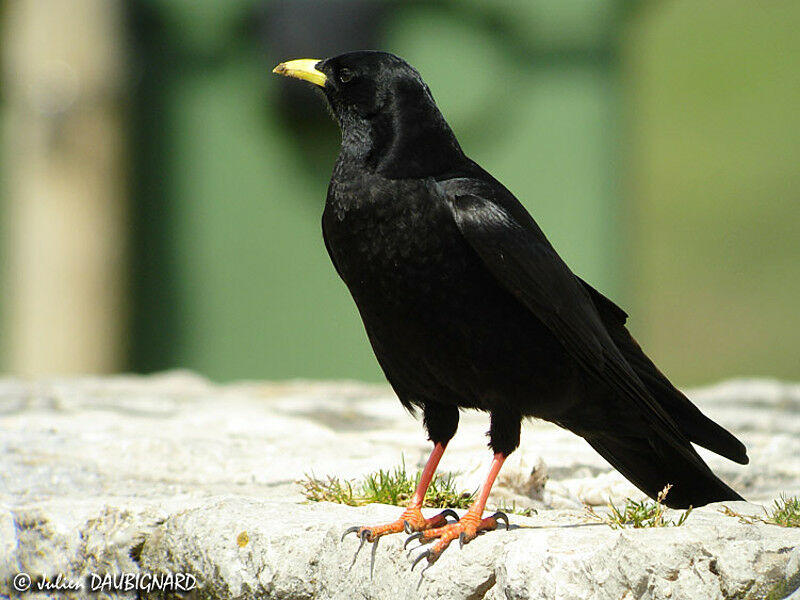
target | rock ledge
x=171, y=474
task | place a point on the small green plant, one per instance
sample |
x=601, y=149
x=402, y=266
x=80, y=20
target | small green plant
x=638, y=515
x=331, y=489
x=393, y=486
x=785, y=512
x=515, y=510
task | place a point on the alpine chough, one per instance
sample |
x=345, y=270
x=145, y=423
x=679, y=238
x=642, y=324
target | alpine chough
x=467, y=305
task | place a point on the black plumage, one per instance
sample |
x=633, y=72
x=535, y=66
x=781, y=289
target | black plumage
x=467, y=304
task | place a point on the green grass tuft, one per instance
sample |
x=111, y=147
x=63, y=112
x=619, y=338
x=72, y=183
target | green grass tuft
x=330, y=490
x=785, y=512
x=638, y=515
x=394, y=486
x=513, y=509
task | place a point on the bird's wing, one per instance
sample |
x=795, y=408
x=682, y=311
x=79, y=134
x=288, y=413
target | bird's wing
x=516, y=252
x=328, y=248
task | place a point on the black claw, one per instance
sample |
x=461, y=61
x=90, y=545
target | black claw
x=353, y=529
x=449, y=512
x=366, y=535
x=407, y=527
x=411, y=538
x=501, y=516
x=461, y=537
x=355, y=556
x=372, y=557
x=425, y=554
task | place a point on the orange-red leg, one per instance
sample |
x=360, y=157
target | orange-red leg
x=412, y=519
x=469, y=526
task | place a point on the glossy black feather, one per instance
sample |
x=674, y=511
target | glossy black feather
x=467, y=305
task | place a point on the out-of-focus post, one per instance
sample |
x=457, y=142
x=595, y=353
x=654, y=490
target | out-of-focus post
x=64, y=215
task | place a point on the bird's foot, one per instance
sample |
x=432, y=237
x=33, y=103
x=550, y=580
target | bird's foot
x=410, y=521
x=466, y=529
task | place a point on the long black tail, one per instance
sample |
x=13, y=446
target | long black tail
x=647, y=459
x=693, y=423
x=650, y=463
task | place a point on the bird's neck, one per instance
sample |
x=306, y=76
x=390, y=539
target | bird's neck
x=419, y=148
x=399, y=146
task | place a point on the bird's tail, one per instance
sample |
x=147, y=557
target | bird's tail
x=693, y=423
x=648, y=459
x=652, y=463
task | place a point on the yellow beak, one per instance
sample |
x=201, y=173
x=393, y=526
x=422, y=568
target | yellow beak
x=302, y=68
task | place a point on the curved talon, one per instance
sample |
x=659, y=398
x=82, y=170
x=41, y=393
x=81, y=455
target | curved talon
x=412, y=537
x=360, y=546
x=425, y=554
x=500, y=516
x=372, y=557
x=461, y=537
x=449, y=512
x=353, y=529
x=407, y=527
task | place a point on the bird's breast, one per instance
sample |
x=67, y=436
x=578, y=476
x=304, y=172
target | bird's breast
x=431, y=309
x=394, y=250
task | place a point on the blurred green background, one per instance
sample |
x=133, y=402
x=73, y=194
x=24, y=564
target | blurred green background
x=714, y=162
x=656, y=143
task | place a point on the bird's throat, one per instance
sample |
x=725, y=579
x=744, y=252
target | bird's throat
x=395, y=149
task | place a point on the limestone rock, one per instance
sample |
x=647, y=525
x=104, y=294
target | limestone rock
x=173, y=474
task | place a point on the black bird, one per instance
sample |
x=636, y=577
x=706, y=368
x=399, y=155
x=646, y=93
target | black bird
x=467, y=305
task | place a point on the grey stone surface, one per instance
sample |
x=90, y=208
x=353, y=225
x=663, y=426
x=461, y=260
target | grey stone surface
x=167, y=473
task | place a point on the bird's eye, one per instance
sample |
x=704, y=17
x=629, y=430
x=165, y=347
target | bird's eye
x=345, y=75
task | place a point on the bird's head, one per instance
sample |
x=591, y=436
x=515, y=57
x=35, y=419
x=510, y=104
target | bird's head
x=387, y=115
